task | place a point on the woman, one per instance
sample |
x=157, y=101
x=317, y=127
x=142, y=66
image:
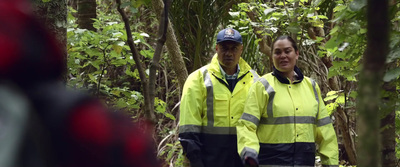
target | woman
x=284, y=116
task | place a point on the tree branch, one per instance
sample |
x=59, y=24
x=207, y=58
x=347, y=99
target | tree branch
x=162, y=31
x=135, y=54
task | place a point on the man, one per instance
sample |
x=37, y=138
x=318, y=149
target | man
x=212, y=102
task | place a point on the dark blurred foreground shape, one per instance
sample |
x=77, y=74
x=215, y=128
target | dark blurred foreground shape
x=41, y=122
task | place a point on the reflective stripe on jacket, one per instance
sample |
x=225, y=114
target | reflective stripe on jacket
x=209, y=112
x=282, y=122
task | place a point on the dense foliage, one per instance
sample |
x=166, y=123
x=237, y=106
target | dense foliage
x=331, y=34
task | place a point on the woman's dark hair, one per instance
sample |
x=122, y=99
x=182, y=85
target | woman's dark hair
x=290, y=39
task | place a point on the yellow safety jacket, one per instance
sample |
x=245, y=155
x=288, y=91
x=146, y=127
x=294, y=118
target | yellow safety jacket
x=282, y=122
x=209, y=112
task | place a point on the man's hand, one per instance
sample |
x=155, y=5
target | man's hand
x=250, y=162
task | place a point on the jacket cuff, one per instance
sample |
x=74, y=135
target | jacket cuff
x=250, y=153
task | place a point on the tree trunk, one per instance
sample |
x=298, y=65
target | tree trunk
x=54, y=15
x=388, y=124
x=175, y=55
x=86, y=14
x=173, y=47
x=389, y=140
x=370, y=81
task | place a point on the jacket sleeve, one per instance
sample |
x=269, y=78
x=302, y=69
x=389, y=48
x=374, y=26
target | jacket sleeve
x=326, y=136
x=248, y=144
x=191, y=111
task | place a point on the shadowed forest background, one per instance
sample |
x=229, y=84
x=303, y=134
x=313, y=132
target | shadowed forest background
x=142, y=71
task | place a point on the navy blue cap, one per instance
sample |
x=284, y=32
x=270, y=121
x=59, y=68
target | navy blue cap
x=229, y=34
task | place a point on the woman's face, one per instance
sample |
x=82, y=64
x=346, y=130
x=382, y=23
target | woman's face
x=284, y=56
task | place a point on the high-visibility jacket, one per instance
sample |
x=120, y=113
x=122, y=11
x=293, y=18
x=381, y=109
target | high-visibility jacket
x=283, y=121
x=209, y=112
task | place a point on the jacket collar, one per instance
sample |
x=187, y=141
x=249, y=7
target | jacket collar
x=285, y=80
x=214, y=67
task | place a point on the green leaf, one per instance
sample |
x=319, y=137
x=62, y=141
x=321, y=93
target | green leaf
x=170, y=116
x=93, y=52
x=353, y=94
x=92, y=78
x=121, y=103
x=310, y=15
x=147, y=53
x=316, y=22
x=340, y=99
x=160, y=105
x=339, y=8
x=117, y=34
x=116, y=92
x=259, y=31
x=317, y=2
x=338, y=64
x=322, y=17
x=134, y=10
x=134, y=74
x=144, y=34
x=294, y=29
x=393, y=55
x=331, y=93
x=332, y=45
x=112, y=39
x=334, y=30
x=234, y=14
x=363, y=31
x=330, y=97
x=119, y=62
x=351, y=78
x=391, y=74
x=79, y=31
x=45, y=1
x=357, y=5
x=331, y=107
x=332, y=72
x=269, y=10
x=96, y=64
x=117, y=48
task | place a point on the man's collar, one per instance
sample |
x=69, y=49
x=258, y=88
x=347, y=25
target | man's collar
x=230, y=76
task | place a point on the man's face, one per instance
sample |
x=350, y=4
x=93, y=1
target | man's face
x=229, y=53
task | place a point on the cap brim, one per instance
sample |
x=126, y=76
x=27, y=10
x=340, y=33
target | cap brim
x=228, y=40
